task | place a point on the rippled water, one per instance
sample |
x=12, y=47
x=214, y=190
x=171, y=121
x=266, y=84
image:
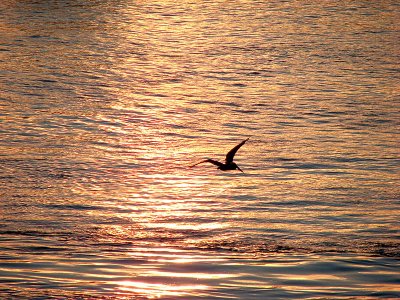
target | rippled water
x=105, y=104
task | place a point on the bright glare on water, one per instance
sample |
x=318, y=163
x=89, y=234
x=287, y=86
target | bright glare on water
x=104, y=105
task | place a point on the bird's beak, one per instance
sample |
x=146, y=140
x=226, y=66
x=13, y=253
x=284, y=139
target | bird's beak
x=239, y=169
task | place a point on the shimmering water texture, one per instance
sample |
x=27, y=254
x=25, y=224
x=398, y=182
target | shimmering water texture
x=104, y=105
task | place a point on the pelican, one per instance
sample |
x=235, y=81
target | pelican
x=229, y=164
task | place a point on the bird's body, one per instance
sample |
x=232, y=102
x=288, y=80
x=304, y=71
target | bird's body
x=229, y=164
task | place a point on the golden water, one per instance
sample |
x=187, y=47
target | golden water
x=105, y=104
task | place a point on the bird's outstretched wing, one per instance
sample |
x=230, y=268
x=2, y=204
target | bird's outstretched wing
x=214, y=162
x=231, y=154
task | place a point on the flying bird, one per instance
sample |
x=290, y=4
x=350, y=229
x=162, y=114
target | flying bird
x=229, y=164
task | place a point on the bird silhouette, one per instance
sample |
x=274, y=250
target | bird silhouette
x=229, y=164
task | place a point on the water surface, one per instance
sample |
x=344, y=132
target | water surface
x=105, y=104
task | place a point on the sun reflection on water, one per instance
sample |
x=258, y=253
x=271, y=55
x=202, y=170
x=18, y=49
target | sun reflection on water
x=96, y=142
x=158, y=290
x=176, y=279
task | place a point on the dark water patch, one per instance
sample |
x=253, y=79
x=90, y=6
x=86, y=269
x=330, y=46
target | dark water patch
x=208, y=102
x=246, y=111
x=73, y=207
x=33, y=233
x=287, y=123
x=322, y=168
x=178, y=126
x=41, y=250
x=231, y=104
x=343, y=219
x=60, y=176
x=238, y=126
x=244, y=197
x=36, y=36
x=299, y=246
x=386, y=165
x=41, y=293
x=302, y=203
x=262, y=104
x=47, y=80
x=315, y=166
x=242, y=85
x=285, y=159
x=255, y=73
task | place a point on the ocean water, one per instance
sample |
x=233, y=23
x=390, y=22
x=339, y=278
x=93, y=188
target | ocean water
x=104, y=105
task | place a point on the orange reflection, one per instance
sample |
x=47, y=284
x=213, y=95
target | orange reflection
x=171, y=255
x=184, y=226
x=191, y=275
x=158, y=290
